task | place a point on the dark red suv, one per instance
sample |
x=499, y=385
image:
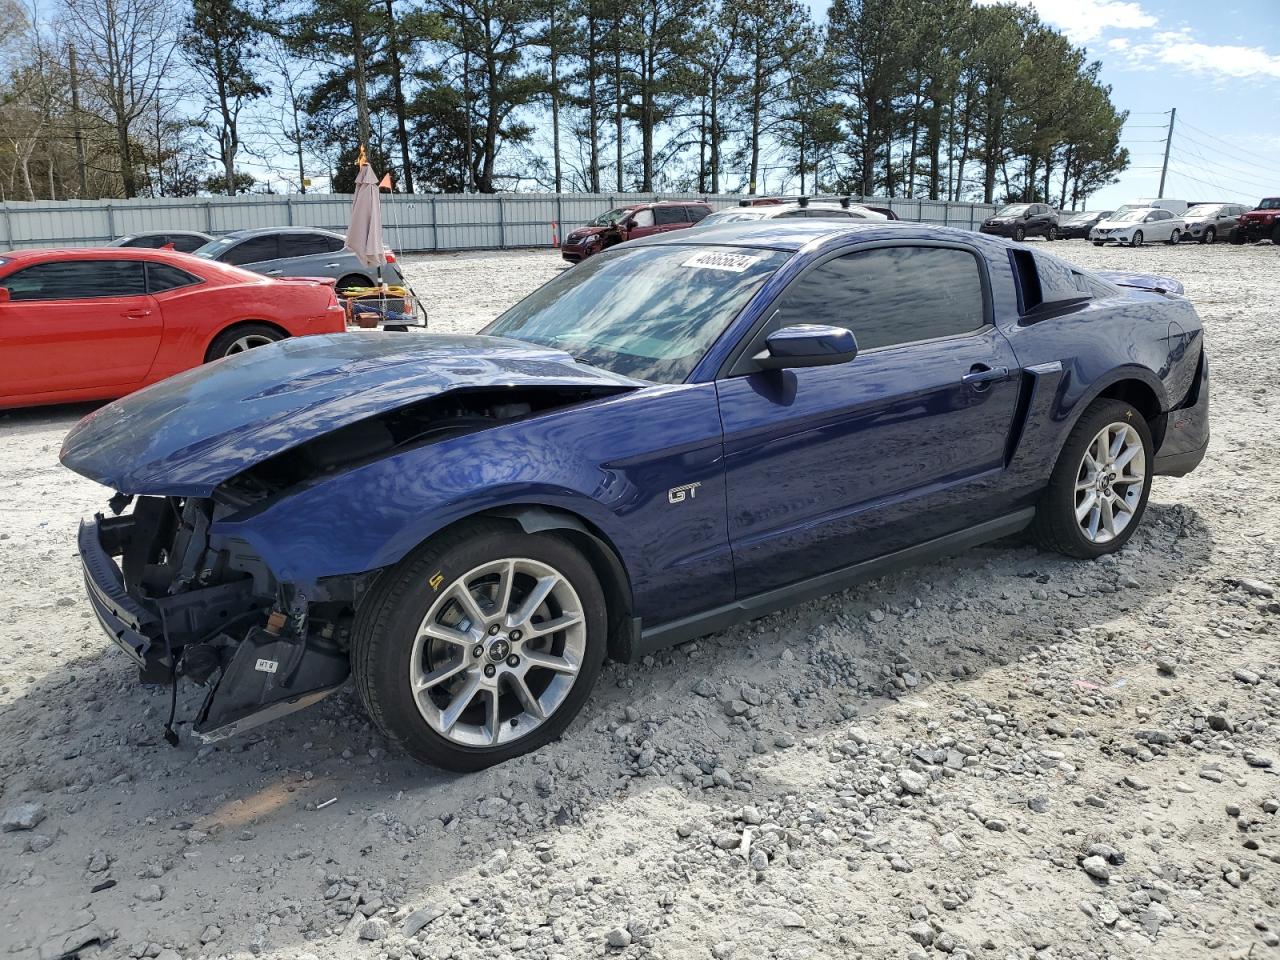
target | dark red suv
x=1260, y=223
x=630, y=223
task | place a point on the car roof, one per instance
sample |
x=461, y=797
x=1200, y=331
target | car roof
x=792, y=234
x=96, y=253
x=262, y=231
x=166, y=233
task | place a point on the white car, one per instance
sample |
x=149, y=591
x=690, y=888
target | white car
x=1137, y=226
x=812, y=209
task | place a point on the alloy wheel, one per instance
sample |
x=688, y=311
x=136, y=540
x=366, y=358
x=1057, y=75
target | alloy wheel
x=1137, y=239
x=1109, y=482
x=247, y=342
x=498, y=652
x=1210, y=235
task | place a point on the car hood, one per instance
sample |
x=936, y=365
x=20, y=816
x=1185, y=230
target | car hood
x=583, y=232
x=185, y=435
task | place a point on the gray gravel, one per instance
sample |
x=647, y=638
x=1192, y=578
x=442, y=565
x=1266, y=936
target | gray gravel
x=1003, y=755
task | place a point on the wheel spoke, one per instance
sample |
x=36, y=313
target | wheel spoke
x=1086, y=506
x=1123, y=505
x=555, y=625
x=462, y=594
x=531, y=704
x=461, y=700
x=438, y=631
x=1126, y=455
x=440, y=675
x=1095, y=518
x=502, y=599
x=1108, y=516
x=537, y=658
x=1116, y=445
x=493, y=721
x=536, y=598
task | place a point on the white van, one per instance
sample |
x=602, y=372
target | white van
x=1176, y=207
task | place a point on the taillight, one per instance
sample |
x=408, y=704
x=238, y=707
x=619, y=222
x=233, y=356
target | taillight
x=391, y=257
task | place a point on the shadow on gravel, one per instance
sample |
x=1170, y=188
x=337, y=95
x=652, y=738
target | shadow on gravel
x=34, y=419
x=249, y=819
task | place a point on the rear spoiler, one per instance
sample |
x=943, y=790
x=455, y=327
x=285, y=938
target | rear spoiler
x=1142, y=281
x=323, y=281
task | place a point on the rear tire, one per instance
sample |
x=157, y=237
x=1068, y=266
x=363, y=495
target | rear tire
x=1174, y=238
x=349, y=281
x=1053, y=234
x=479, y=668
x=1096, y=498
x=242, y=338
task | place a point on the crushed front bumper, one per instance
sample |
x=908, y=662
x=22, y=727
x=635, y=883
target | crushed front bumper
x=130, y=624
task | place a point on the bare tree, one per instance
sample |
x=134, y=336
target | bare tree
x=125, y=48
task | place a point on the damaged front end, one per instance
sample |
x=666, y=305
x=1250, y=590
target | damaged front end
x=183, y=603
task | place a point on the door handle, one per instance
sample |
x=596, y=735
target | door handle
x=136, y=314
x=980, y=376
x=333, y=266
x=274, y=273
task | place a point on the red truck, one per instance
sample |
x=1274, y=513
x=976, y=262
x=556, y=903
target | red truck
x=630, y=223
x=1260, y=223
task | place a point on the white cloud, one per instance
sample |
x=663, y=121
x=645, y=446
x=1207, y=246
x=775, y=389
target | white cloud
x=1180, y=48
x=1085, y=20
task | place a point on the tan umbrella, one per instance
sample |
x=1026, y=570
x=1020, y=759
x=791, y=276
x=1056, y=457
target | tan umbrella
x=364, y=236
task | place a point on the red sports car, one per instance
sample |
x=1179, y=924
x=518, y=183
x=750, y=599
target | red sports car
x=95, y=324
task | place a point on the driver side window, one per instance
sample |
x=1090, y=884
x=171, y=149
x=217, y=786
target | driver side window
x=890, y=295
x=642, y=218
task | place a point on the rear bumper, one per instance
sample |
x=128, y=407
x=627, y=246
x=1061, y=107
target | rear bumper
x=1186, y=430
x=127, y=622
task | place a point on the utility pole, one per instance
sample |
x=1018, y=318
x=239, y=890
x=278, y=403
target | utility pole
x=1168, y=141
x=81, y=166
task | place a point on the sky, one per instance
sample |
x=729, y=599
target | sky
x=1216, y=61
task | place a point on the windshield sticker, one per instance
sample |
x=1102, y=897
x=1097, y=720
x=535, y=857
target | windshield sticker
x=719, y=260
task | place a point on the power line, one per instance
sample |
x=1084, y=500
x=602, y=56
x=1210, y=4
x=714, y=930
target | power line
x=1214, y=136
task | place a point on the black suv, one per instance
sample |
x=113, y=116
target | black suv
x=1021, y=220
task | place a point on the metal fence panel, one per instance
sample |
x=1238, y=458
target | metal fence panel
x=412, y=222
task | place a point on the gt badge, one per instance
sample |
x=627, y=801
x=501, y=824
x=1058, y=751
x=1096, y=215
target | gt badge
x=685, y=492
x=267, y=666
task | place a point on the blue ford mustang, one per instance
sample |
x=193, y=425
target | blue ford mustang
x=669, y=438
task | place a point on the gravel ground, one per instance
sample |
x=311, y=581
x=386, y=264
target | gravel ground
x=1003, y=755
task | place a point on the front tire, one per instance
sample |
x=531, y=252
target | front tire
x=1098, y=243
x=1019, y=234
x=1099, y=487
x=1209, y=235
x=480, y=646
x=1137, y=239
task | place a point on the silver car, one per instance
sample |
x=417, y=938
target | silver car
x=1207, y=222
x=298, y=252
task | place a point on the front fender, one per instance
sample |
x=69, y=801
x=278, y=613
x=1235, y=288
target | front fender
x=614, y=465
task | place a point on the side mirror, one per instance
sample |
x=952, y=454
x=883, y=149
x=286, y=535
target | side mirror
x=1027, y=215
x=4, y=295
x=807, y=345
